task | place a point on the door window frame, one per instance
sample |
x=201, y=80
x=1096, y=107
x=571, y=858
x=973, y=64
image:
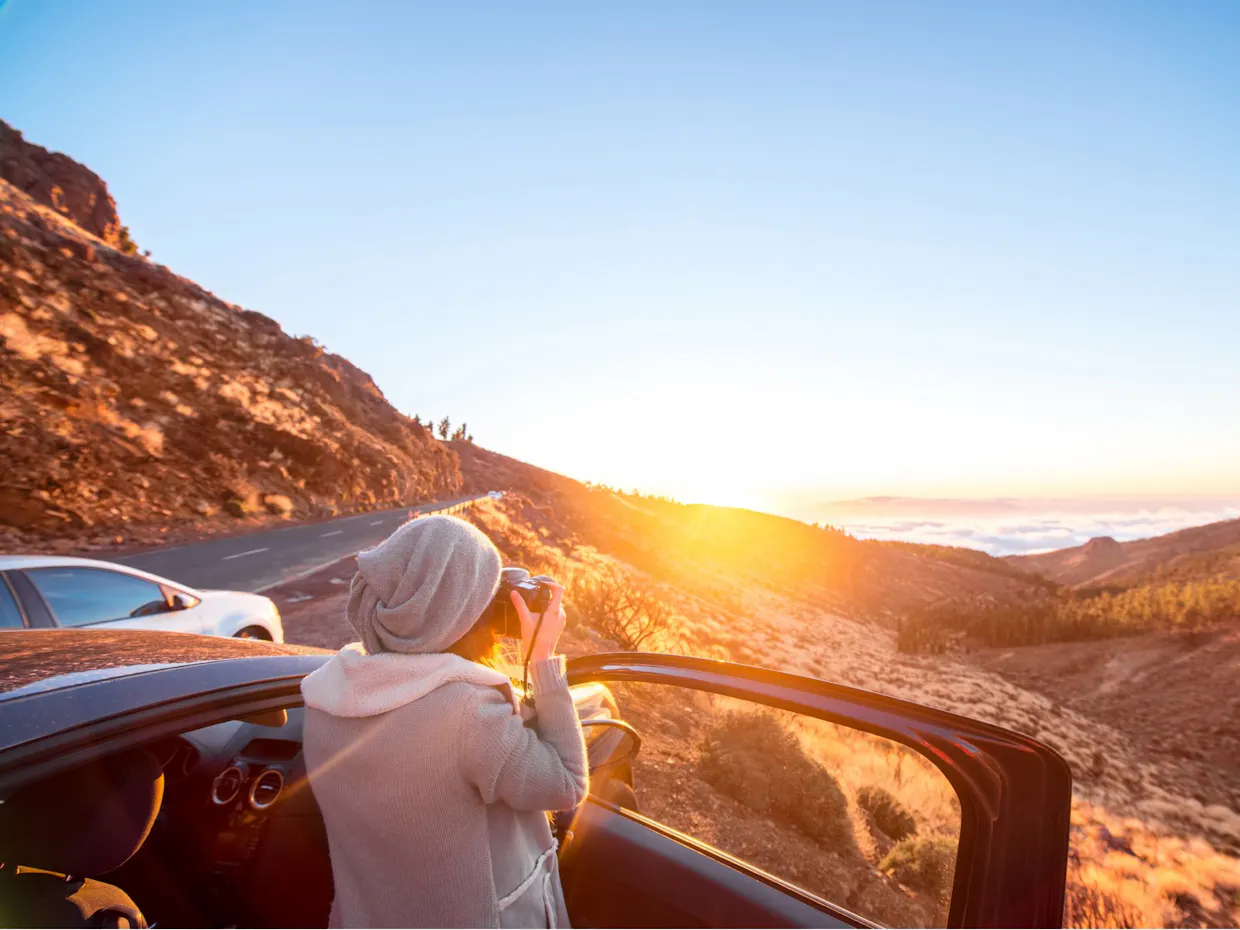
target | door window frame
x=1015, y=792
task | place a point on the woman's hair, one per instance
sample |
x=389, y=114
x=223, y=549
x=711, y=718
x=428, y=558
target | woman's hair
x=481, y=643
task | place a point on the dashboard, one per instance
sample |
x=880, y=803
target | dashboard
x=240, y=829
x=240, y=840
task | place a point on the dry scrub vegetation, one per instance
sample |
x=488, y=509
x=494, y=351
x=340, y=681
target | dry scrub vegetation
x=1072, y=616
x=1149, y=848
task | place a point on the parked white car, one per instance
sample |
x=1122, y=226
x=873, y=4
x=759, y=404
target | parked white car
x=50, y=591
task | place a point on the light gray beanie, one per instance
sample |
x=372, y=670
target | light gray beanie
x=422, y=588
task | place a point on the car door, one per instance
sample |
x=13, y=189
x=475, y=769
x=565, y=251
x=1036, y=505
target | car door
x=84, y=596
x=769, y=799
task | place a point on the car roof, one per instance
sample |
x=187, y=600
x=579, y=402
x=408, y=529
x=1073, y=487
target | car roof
x=8, y=562
x=45, y=660
x=20, y=562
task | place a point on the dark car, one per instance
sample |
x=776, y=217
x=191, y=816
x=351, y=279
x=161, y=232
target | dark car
x=160, y=777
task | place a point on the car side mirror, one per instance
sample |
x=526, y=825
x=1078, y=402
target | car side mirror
x=609, y=742
x=179, y=602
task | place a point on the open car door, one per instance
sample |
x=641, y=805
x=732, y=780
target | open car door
x=766, y=799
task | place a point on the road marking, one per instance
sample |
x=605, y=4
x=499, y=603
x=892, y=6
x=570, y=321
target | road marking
x=377, y=523
x=299, y=576
x=332, y=533
x=248, y=552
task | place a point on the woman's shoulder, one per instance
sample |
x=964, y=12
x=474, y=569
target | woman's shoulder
x=468, y=697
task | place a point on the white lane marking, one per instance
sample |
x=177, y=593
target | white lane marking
x=298, y=576
x=332, y=533
x=377, y=523
x=299, y=598
x=238, y=555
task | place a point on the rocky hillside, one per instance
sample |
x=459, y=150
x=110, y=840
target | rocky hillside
x=57, y=181
x=134, y=403
x=1200, y=552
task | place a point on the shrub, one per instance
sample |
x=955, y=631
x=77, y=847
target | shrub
x=889, y=815
x=926, y=863
x=124, y=242
x=623, y=606
x=237, y=507
x=1089, y=906
x=752, y=758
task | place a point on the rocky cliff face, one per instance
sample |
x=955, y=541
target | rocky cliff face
x=57, y=181
x=134, y=403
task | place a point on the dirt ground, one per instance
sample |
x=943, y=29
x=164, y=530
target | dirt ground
x=1172, y=694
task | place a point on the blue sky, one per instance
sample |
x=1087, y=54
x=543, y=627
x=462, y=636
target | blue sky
x=742, y=253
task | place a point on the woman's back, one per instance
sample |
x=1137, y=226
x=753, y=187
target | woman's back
x=419, y=824
x=435, y=809
x=433, y=788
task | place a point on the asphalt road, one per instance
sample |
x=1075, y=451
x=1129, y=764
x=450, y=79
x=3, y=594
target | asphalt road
x=270, y=557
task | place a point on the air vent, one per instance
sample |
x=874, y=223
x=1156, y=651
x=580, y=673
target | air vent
x=227, y=785
x=266, y=789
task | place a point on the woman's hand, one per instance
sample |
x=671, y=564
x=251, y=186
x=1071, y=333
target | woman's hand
x=542, y=647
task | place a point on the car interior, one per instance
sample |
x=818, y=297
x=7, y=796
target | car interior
x=217, y=827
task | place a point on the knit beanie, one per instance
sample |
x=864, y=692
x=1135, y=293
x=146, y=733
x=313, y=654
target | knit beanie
x=422, y=588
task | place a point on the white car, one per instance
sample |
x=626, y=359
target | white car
x=51, y=591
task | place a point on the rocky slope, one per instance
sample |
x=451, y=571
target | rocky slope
x=1199, y=552
x=57, y=181
x=134, y=402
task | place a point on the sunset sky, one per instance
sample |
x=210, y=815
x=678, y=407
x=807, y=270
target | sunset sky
x=763, y=254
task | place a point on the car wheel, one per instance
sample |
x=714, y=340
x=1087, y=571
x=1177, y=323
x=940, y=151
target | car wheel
x=253, y=632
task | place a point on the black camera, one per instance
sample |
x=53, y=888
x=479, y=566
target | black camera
x=533, y=591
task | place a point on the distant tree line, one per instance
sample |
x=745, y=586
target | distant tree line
x=1067, y=616
x=460, y=434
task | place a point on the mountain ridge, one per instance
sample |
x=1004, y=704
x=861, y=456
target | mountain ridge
x=1211, y=550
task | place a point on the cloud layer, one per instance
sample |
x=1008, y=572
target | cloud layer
x=1031, y=531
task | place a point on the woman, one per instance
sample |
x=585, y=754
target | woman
x=433, y=789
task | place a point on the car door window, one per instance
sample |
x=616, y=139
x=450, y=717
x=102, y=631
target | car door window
x=10, y=615
x=82, y=596
x=858, y=820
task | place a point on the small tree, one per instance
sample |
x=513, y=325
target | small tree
x=623, y=607
x=124, y=243
x=459, y=433
x=444, y=425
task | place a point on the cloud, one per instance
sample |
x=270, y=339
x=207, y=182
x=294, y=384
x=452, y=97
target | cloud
x=1036, y=532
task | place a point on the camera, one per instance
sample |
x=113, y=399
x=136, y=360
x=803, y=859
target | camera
x=537, y=597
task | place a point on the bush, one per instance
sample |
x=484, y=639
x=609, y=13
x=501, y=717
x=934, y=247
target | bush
x=124, y=242
x=927, y=863
x=1089, y=906
x=889, y=815
x=755, y=760
x=622, y=606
